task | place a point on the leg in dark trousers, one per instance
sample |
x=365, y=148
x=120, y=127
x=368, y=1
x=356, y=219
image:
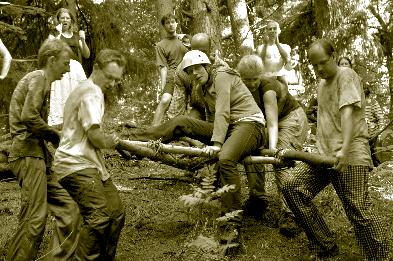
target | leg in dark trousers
x=175, y=128
x=243, y=138
x=102, y=211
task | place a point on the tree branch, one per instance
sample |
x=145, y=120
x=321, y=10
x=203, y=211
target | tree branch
x=379, y=29
x=222, y=8
x=379, y=18
x=226, y=37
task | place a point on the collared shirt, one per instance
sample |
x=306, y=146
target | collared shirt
x=28, y=117
x=345, y=89
x=83, y=109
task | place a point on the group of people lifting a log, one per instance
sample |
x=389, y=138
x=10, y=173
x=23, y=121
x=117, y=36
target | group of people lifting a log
x=234, y=111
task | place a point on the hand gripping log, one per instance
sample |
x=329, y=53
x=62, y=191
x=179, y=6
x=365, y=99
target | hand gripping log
x=269, y=156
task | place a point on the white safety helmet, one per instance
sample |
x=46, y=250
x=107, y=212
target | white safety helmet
x=194, y=57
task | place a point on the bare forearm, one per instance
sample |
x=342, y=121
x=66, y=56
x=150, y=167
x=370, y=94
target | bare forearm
x=6, y=65
x=99, y=139
x=273, y=136
x=347, y=128
x=263, y=53
x=85, y=49
x=283, y=53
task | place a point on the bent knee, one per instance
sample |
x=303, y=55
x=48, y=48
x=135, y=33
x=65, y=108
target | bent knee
x=289, y=186
x=227, y=163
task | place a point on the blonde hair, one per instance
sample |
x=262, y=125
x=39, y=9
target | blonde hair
x=250, y=65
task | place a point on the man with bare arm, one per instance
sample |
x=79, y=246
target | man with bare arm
x=169, y=53
x=275, y=55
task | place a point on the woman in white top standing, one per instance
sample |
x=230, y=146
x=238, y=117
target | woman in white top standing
x=61, y=89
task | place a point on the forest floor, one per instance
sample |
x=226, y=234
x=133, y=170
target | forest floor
x=157, y=226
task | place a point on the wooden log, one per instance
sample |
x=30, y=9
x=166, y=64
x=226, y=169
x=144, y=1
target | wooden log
x=164, y=158
x=136, y=146
x=272, y=156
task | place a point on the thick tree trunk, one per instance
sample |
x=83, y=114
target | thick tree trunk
x=241, y=30
x=163, y=7
x=206, y=20
x=389, y=64
x=70, y=5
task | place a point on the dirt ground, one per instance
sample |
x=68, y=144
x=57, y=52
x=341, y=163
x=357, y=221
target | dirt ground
x=157, y=228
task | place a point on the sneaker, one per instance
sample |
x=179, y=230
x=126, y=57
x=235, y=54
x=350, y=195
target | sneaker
x=288, y=225
x=312, y=255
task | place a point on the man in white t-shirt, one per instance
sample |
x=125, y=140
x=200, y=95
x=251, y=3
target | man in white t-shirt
x=275, y=56
x=79, y=164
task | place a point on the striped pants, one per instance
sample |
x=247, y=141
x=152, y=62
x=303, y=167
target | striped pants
x=306, y=181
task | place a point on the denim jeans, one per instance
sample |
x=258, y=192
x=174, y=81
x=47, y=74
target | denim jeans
x=242, y=138
x=102, y=211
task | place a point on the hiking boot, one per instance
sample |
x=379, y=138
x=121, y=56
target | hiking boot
x=288, y=225
x=312, y=255
x=255, y=206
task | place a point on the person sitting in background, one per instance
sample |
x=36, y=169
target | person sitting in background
x=61, y=89
x=286, y=125
x=6, y=60
x=275, y=56
x=169, y=54
x=30, y=161
x=374, y=119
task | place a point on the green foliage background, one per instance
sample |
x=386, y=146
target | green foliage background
x=133, y=28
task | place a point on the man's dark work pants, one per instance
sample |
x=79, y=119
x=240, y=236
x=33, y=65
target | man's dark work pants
x=102, y=211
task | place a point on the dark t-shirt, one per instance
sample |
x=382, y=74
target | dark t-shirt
x=73, y=42
x=285, y=101
x=170, y=52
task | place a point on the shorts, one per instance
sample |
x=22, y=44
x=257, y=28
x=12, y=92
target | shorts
x=170, y=82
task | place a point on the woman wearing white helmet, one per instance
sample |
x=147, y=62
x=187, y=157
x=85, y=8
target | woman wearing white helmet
x=234, y=126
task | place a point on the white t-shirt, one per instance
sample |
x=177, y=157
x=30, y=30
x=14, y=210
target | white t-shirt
x=83, y=109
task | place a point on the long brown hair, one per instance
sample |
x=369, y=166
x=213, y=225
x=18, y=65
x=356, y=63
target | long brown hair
x=73, y=26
